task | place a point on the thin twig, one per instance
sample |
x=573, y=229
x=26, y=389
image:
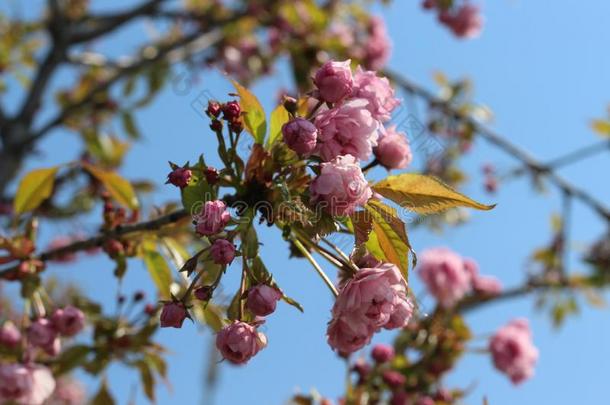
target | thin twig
x=316, y=266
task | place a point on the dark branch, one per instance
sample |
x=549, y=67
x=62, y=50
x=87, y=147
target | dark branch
x=502, y=143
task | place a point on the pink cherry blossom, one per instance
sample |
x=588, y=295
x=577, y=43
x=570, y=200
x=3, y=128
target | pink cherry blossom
x=23, y=384
x=213, y=218
x=377, y=91
x=341, y=186
x=484, y=285
x=377, y=47
x=42, y=333
x=347, y=334
x=382, y=353
x=347, y=129
x=68, y=392
x=467, y=21
x=393, y=150
x=443, y=273
x=513, y=351
x=238, y=342
x=334, y=81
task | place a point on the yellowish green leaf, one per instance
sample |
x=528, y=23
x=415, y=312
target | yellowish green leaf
x=391, y=235
x=602, y=127
x=254, y=115
x=424, y=194
x=34, y=188
x=159, y=271
x=119, y=188
x=279, y=117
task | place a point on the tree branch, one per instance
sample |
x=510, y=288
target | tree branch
x=502, y=143
x=99, y=239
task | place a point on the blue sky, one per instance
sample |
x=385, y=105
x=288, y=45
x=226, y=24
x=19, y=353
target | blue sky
x=543, y=69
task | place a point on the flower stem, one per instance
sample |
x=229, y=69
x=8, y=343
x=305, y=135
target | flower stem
x=316, y=266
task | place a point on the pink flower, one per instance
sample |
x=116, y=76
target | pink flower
x=42, y=334
x=173, y=315
x=262, y=299
x=28, y=384
x=222, y=251
x=68, y=321
x=466, y=22
x=377, y=91
x=443, y=273
x=300, y=135
x=484, y=285
x=341, y=186
x=348, y=129
x=372, y=295
x=347, y=334
x=377, y=48
x=382, y=353
x=334, y=81
x=213, y=218
x=179, y=177
x=68, y=392
x=239, y=342
x=393, y=150
x=513, y=351
x=401, y=315
x=10, y=336
x=374, y=298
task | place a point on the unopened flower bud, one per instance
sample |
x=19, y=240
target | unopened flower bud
x=214, y=109
x=68, y=321
x=180, y=177
x=211, y=175
x=216, y=126
x=10, y=336
x=393, y=378
x=231, y=110
x=300, y=135
x=222, y=251
x=204, y=293
x=262, y=299
x=382, y=353
x=173, y=315
x=239, y=342
x=290, y=104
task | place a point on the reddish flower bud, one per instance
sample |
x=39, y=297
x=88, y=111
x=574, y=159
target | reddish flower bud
x=262, y=299
x=10, y=336
x=393, y=378
x=180, y=177
x=300, y=135
x=231, y=110
x=216, y=126
x=236, y=126
x=114, y=248
x=362, y=368
x=214, y=108
x=382, y=353
x=150, y=309
x=211, y=175
x=222, y=251
x=204, y=293
x=239, y=342
x=68, y=321
x=173, y=315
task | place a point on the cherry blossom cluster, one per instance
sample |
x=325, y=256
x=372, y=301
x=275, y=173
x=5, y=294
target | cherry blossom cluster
x=464, y=20
x=348, y=129
x=449, y=277
x=28, y=382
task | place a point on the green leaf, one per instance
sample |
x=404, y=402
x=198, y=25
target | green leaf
x=70, y=359
x=391, y=235
x=424, y=194
x=212, y=317
x=196, y=194
x=129, y=125
x=147, y=379
x=602, y=127
x=159, y=271
x=254, y=115
x=103, y=396
x=34, y=188
x=119, y=188
x=279, y=117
